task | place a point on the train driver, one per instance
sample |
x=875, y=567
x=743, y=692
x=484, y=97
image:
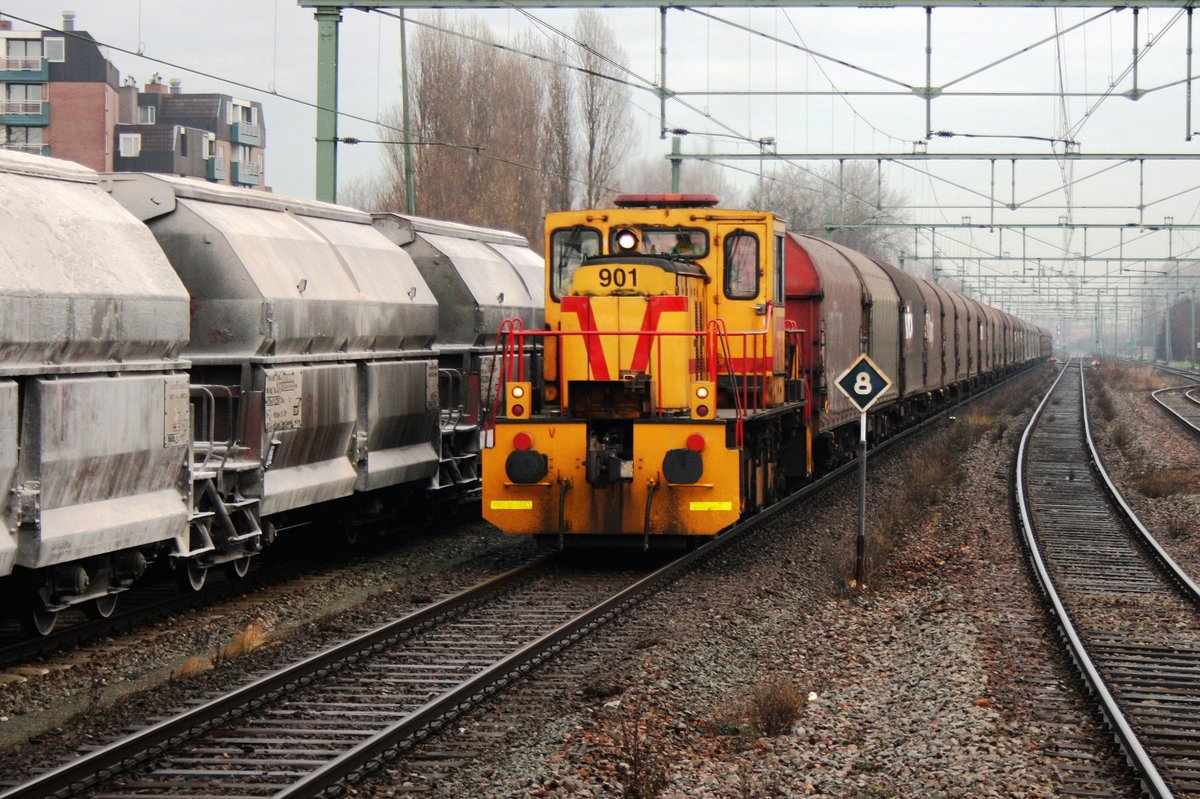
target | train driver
x=683, y=245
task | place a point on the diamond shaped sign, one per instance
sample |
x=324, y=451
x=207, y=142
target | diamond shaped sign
x=863, y=383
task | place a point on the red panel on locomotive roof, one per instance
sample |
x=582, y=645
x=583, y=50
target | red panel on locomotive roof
x=665, y=200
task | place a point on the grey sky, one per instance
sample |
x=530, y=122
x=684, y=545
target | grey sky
x=271, y=44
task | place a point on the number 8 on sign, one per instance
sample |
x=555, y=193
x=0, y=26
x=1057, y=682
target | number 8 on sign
x=863, y=383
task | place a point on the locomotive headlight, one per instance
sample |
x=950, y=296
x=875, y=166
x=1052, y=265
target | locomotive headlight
x=518, y=404
x=627, y=240
x=703, y=399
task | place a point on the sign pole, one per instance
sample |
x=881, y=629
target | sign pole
x=863, y=383
x=860, y=547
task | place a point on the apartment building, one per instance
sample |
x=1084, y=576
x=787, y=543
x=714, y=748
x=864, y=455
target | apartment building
x=213, y=136
x=61, y=96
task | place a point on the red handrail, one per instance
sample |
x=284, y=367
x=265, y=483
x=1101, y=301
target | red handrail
x=512, y=340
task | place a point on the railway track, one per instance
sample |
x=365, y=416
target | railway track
x=326, y=721
x=139, y=606
x=1130, y=617
x=310, y=725
x=1182, y=403
x=160, y=596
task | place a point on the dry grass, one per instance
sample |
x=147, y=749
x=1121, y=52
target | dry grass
x=1104, y=402
x=1123, y=437
x=774, y=706
x=642, y=774
x=1177, y=528
x=1168, y=482
x=1128, y=377
x=196, y=664
x=252, y=636
x=729, y=719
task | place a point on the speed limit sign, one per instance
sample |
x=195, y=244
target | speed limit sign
x=863, y=383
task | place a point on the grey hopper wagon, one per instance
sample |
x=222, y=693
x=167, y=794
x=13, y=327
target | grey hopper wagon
x=313, y=378
x=94, y=433
x=483, y=279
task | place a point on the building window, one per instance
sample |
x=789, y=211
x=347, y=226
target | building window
x=239, y=111
x=56, y=49
x=23, y=98
x=22, y=138
x=147, y=114
x=30, y=49
x=130, y=145
x=183, y=142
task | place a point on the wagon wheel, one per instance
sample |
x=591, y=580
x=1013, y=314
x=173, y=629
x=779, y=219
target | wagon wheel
x=101, y=607
x=192, y=575
x=239, y=566
x=36, y=618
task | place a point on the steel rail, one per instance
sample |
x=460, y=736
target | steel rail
x=1186, y=413
x=1139, y=759
x=1173, y=569
x=128, y=751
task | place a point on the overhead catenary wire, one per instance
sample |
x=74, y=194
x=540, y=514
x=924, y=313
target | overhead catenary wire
x=478, y=150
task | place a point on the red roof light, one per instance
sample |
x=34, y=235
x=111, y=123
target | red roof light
x=665, y=200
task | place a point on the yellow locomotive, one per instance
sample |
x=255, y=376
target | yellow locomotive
x=668, y=398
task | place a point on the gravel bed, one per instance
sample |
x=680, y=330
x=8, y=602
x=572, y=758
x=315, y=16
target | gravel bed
x=919, y=686
x=1152, y=442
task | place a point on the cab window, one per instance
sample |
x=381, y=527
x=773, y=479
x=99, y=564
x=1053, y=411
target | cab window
x=780, y=272
x=569, y=247
x=741, y=265
x=675, y=242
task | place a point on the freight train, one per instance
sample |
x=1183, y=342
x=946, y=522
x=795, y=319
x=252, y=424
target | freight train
x=187, y=370
x=689, y=360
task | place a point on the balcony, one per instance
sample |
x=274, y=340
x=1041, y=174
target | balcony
x=247, y=173
x=26, y=113
x=248, y=134
x=24, y=70
x=218, y=168
x=36, y=149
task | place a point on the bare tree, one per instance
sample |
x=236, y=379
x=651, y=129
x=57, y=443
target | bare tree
x=364, y=193
x=560, y=99
x=483, y=136
x=605, y=127
x=840, y=202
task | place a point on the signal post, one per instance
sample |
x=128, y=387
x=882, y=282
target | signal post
x=863, y=383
